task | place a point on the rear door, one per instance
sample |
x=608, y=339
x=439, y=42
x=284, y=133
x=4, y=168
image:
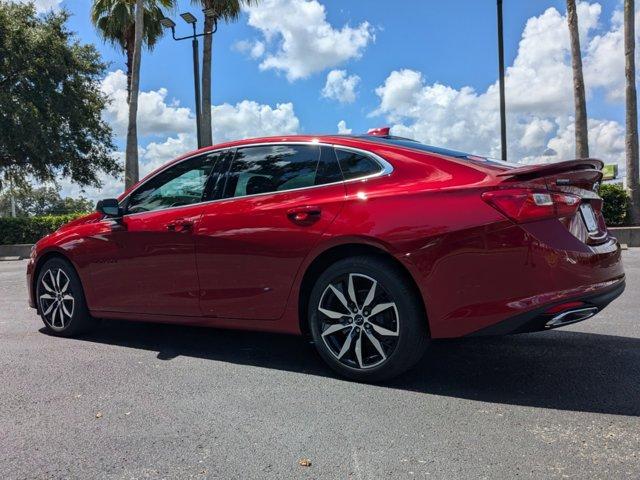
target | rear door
x=277, y=202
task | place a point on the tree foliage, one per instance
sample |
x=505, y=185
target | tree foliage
x=50, y=101
x=41, y=201
x=615, y=204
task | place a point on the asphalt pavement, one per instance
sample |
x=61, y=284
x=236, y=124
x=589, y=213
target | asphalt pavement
x=134, y=400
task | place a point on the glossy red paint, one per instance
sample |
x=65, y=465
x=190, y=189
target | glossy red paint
x=240, y=262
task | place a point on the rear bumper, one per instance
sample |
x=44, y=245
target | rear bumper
x=536, y=320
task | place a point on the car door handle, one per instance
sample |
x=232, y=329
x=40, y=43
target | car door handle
x=181, y=225
x=304, y=215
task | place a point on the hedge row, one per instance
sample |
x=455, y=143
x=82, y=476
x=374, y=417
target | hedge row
x=31, y=229
x=615, y=204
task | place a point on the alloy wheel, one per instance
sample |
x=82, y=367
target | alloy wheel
x=56, y=299
x=359, y=321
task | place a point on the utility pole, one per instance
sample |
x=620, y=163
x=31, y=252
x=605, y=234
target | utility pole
x=192, y=20
x=503, y=119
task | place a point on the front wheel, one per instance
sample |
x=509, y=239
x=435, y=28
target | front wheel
x=366, y=321
x=60, y=297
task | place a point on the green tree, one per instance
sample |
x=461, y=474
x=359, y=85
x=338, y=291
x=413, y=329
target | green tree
x=41, y=201
x=50, y=101
x=221, y=10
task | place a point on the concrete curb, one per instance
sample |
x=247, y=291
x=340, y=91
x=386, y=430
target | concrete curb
x=21, y=250
x=628, y=235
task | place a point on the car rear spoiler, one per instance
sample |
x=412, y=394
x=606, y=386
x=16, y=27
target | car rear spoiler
x=540, y=170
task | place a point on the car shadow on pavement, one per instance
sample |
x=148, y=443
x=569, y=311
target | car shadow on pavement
x=565, y=370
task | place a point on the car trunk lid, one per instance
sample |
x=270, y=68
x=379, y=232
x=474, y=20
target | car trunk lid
x=580, y=178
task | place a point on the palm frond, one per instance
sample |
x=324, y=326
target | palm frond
x=114, y=18
x=226, y=10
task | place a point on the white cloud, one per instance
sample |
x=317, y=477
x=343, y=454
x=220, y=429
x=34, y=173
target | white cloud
x=340, y=86
x=604, y=59
x=299, y=41
x=175, y=127
x=245, y=119
x=42, y=5
x=255, y=49
x=539, y=97
x=606, y=141
x=111, y=187
x=540, y=77
x=156, y=154
x=248, y=119
x=342, y=128
x=155, y=115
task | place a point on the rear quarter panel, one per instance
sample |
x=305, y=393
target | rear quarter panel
x=473, y=266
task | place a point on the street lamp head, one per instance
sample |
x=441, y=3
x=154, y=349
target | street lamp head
x=167, y=23
x=188, y=17
x=209, y=12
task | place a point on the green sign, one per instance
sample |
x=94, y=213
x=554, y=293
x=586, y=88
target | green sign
x=610, y=171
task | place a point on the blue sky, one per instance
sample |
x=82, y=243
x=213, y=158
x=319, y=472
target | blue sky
x=450, y=42
x=427, y=68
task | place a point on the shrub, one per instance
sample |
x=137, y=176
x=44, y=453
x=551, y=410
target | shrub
x=615, y=205
x=31, y=229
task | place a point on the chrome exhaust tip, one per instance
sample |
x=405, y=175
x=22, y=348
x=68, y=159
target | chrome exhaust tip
x=571, y=316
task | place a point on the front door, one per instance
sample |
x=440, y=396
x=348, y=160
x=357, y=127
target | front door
x=145, y=263
x=278, y=200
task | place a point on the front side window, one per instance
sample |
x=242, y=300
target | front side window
x=356, y=165
x=181, y=184
x=268, y=169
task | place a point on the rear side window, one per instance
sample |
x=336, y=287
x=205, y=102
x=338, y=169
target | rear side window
x=328, y=169
x=276, y=168
x=356, y=165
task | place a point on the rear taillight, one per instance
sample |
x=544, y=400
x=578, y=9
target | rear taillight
x=522, y=205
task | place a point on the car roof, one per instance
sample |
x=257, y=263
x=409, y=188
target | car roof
x=335, y=139
x=385, y=140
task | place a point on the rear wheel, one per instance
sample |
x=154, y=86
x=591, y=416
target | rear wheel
x=366, y=321
x=60, y=298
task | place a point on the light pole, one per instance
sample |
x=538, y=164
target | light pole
x=13, y=198
x=503, y=120
x=192, y=20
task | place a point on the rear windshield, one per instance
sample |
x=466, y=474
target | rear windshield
x=415, y=145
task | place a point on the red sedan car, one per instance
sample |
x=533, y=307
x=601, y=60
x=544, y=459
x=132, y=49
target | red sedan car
x=373, y=245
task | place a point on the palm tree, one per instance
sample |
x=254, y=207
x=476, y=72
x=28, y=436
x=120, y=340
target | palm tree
x=115, y=22
x=228, y=11
x=131, y=161
x=631, y=140
x=582, y=133
x=130, y=24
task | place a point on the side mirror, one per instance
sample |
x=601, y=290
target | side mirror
x=109, y=207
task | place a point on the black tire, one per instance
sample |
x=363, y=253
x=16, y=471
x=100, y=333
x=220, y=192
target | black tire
x=392, y=329
x=61, y=305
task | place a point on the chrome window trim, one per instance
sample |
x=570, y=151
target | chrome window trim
x=385, y=169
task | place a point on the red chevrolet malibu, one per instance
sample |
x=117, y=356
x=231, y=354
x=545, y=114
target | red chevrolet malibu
x=373, y=245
